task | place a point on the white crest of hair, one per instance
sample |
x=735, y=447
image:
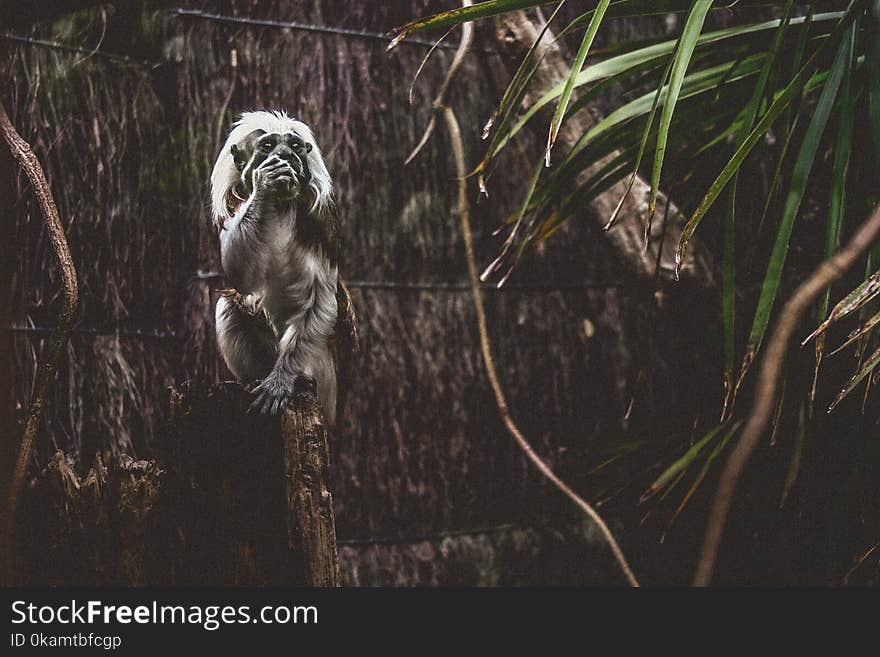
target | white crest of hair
x=225, y=176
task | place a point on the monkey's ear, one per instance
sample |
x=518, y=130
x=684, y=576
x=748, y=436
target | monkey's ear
x=238, y=156
x=308, y=147
x=241, y=152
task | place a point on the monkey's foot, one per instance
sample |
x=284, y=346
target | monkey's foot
x=274, y=393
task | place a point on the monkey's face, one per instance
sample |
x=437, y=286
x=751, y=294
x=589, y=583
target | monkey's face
x=259, y=146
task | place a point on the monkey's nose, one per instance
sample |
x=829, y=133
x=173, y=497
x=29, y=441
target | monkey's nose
x=283, y=150
x=288, y=155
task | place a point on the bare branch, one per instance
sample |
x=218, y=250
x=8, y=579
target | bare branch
x=22, y=152
x=467, y=37
x=768, y=382
x=485, y=346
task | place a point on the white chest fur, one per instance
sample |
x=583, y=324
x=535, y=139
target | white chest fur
x=299, y=279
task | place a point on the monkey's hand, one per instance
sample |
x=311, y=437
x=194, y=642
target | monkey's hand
x=273, y=394
x=275, y=176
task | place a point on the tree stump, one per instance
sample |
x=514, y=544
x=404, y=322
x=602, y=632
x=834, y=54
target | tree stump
x=310, y=519
x=238, y=499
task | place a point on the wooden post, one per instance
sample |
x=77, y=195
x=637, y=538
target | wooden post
x=310, y=520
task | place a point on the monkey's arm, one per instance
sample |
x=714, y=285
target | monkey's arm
x=243, y=247
x=304, y=349
x=243, y=251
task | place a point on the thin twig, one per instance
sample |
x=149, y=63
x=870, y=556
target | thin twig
x=859, y=562
x=768, y=382
x=485, y=346
x=503, y=409
x=467, y=37
x=424, y=62
x=22, y=152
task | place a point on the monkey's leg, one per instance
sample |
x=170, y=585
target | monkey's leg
x=299, y=374
x=246, y=341
x=305, y=362
x=285, y=379
x=274, y=391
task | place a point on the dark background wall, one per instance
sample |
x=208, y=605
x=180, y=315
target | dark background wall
x=429, y=488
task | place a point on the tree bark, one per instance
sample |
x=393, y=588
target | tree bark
x=310, y=519
x=29, y=163
x=515, y=33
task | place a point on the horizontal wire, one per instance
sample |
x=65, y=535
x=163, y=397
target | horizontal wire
x=441, y=534
x=465, y=287
x=219, y=18
x=429, y=286
x=434, y=536
x=164, y=334
x=96, y=332
x=55, y=45
x=308, y=27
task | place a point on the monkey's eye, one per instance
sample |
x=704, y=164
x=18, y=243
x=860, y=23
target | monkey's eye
x=266, y=146
x=296, y=143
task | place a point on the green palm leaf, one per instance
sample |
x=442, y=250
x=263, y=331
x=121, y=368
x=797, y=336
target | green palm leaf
x=802, y=167
x=683, y=53
x=782, y=100
x=579, y=60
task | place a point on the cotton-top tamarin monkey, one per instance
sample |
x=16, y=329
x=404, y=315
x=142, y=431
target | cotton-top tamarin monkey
x=287, y=316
